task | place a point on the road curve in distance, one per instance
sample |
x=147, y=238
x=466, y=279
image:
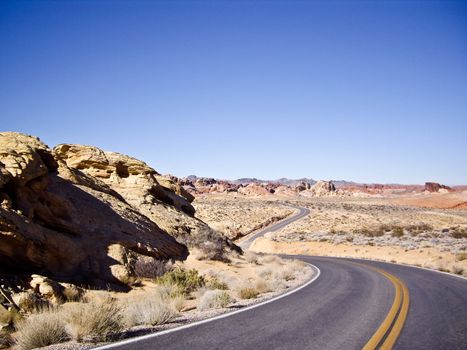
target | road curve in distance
x=248, y=240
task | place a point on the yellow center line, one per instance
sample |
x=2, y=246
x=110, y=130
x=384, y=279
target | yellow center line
x=401, y=302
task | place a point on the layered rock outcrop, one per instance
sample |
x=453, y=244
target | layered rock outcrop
x=320, y=189
x=436, y=187
x=80, y=214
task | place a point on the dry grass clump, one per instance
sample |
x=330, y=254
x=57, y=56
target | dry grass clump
x=155, y=309
x=251, y=257
x=214, y=299
x=95, y=321
x=149, y=267
x=5, y=339
x=247, y=292
x=263, y=286
x=216, y=283
x=457, y=270
x=42, y=329
x=10, y=317
x=458, y=232
x=271, y=259
x=461, y=256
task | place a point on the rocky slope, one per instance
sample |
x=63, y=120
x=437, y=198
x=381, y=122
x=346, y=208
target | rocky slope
x=77, y=213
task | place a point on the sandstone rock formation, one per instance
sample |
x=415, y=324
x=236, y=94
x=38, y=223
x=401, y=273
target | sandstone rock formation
x=436, y=187
x=83, y=215
x=320, y=189
x=254, y=189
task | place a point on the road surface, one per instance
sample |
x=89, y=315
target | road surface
x=346, y=307
x=248, y=240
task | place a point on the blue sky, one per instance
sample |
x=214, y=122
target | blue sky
x=363, y=91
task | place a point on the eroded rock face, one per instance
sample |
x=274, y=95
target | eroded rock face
x=61, y=220
x=160, y=198
x=320, y=189
x=436, y=187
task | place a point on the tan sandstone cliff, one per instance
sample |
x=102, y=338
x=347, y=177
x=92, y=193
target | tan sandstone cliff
x=78, y=213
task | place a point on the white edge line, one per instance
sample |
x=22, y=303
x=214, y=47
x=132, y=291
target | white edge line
x=197, y=323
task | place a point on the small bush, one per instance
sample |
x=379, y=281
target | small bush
x=72, y=293
x=148, y=267
x=251, y=257
x=11, y=317
x=247, y=293
x=42, y=329
x=95, y=321
x=186, y=280
x=214, y=299
x=461, y=256
x=459, y=232
x=5, y=339
x=211, y=244
x=285, y=273
x=271, y=259
x=263, y=286
x=154, y=309
x=457, y=270
x=397, y=231
x=215, y=283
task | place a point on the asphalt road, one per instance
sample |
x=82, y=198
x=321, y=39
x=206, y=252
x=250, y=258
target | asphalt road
x=341, y=309
x=302, y=212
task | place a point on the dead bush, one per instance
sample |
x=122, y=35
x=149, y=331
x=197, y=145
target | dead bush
x=214, y=299
x=95, y=321
x=149, y=267
x=41, y=329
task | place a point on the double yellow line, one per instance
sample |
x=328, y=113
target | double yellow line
x=386, y=335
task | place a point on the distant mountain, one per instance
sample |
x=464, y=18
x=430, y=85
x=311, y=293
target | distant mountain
x=281, y=181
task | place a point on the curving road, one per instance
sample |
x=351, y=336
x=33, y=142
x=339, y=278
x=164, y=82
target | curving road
x=247, y=241
x=341, y=309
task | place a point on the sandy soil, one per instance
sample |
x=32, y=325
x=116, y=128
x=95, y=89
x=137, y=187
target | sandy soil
x=237, y=215
x=428, y=257
x=434, y=200
x=368, y=227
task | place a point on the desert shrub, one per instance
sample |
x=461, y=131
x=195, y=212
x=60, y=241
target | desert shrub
x=265, y=272
x=214, y=299
x=397, y=231
x=95, y=321
x=178, y=302
x=457, y=270
x=251, y=257
x=369, y=233
x=247, y=293
x=459, y=232
x=263, y=286
x=271, y=259
x=11, y=317
x=148, y=267
x=41, y=329
x=72, y=293
x=416, y=229
x=215, y=283
x=5, y=339
x=211, y=244
x=29, y=301
x=186, y=280
x=285, y=273
x=461, y=256
x=154, y=309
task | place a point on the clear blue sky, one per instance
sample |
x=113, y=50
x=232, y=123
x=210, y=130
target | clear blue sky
x=363, y=91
